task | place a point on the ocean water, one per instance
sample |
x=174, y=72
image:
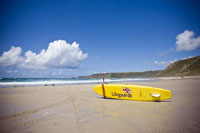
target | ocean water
x=12, y=82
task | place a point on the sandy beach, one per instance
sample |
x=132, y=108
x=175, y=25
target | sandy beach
x=77, y=109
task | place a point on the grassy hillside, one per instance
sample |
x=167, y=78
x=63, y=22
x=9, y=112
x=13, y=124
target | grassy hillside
x=184, y=67
x=189, y=66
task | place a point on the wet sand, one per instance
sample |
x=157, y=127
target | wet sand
x=77, y=109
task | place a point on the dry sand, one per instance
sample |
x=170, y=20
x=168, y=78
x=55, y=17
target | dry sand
x=76, y=108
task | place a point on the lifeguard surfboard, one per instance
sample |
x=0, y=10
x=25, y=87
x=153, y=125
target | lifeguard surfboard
x=132, y=92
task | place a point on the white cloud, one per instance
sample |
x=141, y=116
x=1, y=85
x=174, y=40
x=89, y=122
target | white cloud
x=57, y=72
x=163, y=63
x=166, y=63
x=54, y=74
x=59, y=54
x=8, y=71
x=11, y=57
x=186, y=41
x=60, y=72
x=171, y=50
x=163, y=53
x=188, y=57
x=15, y=71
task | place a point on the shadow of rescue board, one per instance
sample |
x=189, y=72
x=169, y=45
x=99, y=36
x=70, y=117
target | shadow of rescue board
x=132, y=92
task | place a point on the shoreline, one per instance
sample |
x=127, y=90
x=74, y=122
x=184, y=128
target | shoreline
x=91, y=81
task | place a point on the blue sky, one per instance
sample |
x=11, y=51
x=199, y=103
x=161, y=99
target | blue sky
x=113, y=35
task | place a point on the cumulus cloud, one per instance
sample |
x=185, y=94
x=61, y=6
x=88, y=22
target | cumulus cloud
x=11, y=57
x=59, y=54
x=186, y=41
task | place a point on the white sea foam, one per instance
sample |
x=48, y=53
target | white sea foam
x=67, y=82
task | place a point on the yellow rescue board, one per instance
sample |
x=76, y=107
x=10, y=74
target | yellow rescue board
x=132, y=92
